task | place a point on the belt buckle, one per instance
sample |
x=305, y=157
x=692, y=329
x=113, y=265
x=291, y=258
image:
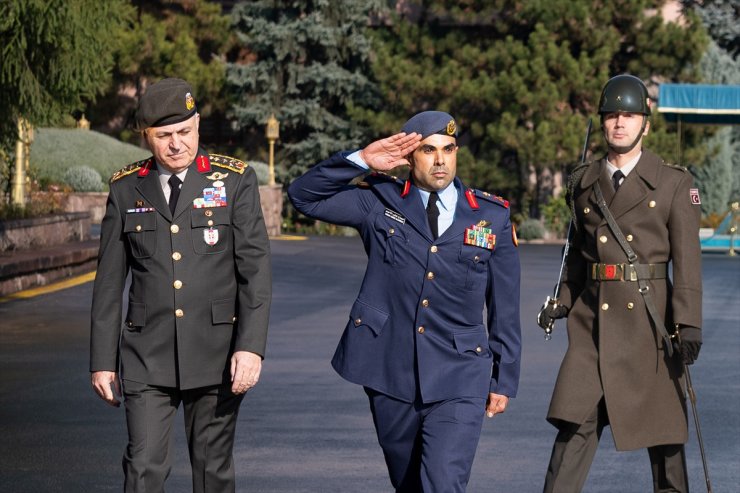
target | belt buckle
x=612, y=272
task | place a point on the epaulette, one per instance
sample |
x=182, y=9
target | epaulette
x=676, y=166
x=496, y=199
x=382, y=175
x=229, y=163
x=131, y=168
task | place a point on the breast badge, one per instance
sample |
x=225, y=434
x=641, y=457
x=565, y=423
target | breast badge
x=210, y=236
x=480, y=236
x=214, y=196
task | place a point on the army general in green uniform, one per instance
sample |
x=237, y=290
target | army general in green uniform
x=623, y=305
x=188, y=228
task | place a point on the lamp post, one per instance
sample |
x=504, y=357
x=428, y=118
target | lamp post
x=272, y=132
x=733, y=228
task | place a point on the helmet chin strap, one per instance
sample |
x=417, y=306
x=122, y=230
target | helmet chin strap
x=626, y=149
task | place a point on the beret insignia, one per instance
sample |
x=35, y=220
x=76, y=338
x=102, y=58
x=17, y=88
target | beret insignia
x=189, y=101
x=451, y=128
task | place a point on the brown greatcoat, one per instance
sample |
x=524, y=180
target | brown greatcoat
x=614, y=351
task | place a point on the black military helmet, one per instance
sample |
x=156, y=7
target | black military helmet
x=625, y=93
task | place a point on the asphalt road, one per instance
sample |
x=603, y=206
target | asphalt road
x=303, y=429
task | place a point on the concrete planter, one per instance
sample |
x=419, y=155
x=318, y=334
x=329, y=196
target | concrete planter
x=41, y=232
x=92, y=202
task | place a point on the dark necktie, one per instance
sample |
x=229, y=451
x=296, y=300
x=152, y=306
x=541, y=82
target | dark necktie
x=616, y=178
x=433, y=213
x=175, y=183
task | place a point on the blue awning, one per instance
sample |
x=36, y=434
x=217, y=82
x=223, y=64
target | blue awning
x=700, y=103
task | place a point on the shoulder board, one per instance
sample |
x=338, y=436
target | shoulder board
x=131, y=168
x=229, y=163
x=383, y=176
x=496, y=199
x=676, y=167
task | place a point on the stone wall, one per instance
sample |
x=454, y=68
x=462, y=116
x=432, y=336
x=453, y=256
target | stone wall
x=41, y=232
x=271, y=200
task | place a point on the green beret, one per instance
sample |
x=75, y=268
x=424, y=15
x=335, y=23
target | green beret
x=164, y=103
x=428, y=123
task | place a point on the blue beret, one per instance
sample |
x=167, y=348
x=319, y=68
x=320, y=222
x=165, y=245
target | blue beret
x=429, y=123
x=164, y=103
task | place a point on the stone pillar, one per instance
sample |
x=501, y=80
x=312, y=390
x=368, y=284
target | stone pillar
x=271, y=200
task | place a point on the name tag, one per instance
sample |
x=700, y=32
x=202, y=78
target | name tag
x=395, y=216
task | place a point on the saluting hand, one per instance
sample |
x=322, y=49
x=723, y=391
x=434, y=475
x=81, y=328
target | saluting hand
x=388, y=153
x=245, y=371
x=496, y=404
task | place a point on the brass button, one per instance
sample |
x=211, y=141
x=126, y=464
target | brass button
x=476, y=258
x=651, y=204
x=210, y=222
x=174, y=229
x=177, y=284
x=586, y=210
x=129, y=324
x=138, y=227
x=630, y=305
x=233, y=319
x=425, y=303
x=391, y=231
x=430, y=275
x=478, y=349
x=209, y=212
x=602, y=238
x=433, y=249
x=420, y=330
x=605, y=306
x=629, y=237
x=179, y=313
x=358, y=321
x=176, y=256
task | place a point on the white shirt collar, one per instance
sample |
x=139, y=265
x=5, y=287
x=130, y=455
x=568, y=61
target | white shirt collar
x=626, y=168
x=447, y=197
x=164, y=176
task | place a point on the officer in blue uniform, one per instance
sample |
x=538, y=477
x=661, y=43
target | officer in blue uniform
x=438, y=254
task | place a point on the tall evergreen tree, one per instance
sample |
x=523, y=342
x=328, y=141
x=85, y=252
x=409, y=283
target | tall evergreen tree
x=305, y=61
x=523, y=77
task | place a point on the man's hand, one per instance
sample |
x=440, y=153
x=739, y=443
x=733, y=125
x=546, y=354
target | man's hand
x=101, y=383
x=245, y=371
x=496, y=404
x=550, y=311
x=388, y=153
x=689, y=343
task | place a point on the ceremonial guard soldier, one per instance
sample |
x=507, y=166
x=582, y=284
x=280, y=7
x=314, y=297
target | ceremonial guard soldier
x=634, y=215
x=438, y=253
x=188, y=228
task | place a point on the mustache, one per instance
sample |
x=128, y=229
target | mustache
x=438, y=168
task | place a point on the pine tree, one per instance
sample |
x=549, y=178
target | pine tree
x=306, y=62
x=523, y=77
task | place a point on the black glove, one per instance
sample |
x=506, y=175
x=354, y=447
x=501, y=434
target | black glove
x=550, y=311
x=690, y=343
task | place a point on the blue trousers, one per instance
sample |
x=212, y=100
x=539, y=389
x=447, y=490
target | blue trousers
x=427, y=447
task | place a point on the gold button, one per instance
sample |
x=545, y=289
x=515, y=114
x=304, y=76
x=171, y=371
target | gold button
x=129, y=323
x=425, y=303
x=433, y=249
x=478, y=349
x=586, y=210
x=174, y=229
x=602, y=238
x=177, y=284
x=430, y=275
x=210, y=222
x=358, y=321
x=176, y=256
x=605, y=306
x=651, y=204
x=391, y=231
x=420, y=330
x=138, y=227
x=630, y=305
x=476, y=258
x=179, y=313
x=209, y=212
x=629, y=237
x=233, y=319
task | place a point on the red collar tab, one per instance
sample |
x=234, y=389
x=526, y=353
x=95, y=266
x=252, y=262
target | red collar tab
x=203, y=163
x=470, y=195
x=144, y=170
x=406, y=188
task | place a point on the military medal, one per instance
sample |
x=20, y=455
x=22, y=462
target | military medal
x=212, y=197
x=210, y=236
x=480, y=236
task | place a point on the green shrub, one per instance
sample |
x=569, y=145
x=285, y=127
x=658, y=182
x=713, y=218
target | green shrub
x=83, y=179
x=557, y=216
x=530, y=229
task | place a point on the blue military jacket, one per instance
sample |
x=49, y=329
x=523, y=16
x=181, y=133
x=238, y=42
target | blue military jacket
x=416, y=328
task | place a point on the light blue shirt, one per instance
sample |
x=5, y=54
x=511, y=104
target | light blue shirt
x=446, y=203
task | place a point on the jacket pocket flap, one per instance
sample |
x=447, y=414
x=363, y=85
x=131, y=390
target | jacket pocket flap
x=141, y=221
x=363, y=314
x=136, y=316
x=222, y=312
x=474, y=254
x=209, y=216
x=471, y=342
